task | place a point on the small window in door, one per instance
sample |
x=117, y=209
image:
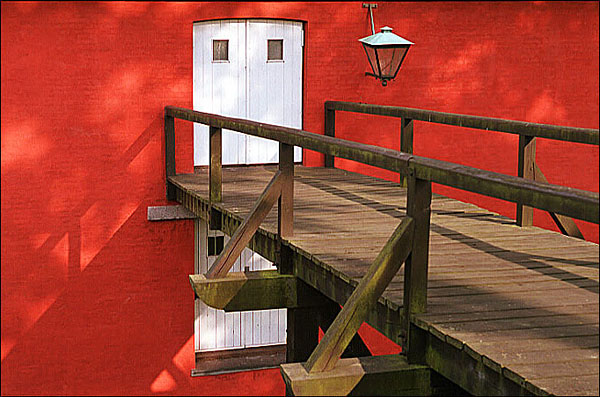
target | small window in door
x=220, y=50
x=274, y=50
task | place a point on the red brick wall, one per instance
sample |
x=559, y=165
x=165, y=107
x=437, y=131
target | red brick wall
x=95, y=299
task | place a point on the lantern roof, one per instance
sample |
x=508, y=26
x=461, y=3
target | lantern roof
x=385, y=38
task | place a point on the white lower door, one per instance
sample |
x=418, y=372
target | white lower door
x=248, y=69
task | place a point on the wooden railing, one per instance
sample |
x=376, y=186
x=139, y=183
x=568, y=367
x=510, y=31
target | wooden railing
x=409, y=244
x=527, y=167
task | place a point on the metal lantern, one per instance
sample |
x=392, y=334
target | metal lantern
x=385, y=51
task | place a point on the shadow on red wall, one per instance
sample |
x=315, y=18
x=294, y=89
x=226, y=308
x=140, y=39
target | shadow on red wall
x=95, y=299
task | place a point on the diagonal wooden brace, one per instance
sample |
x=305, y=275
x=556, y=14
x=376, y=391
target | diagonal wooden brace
x=246, y=230
x=366, y=294
x=565, y=224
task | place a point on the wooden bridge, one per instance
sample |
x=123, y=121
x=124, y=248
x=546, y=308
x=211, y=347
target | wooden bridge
x=480, y=303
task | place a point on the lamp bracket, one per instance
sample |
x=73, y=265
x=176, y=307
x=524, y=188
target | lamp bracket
x=370, y=6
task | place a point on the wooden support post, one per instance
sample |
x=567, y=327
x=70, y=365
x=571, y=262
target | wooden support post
x=366, y=294
x=526, y=169
x=415, y=272
x=246, y=230
x=285, y=212
x=169, y=155
x=329, y=131
x=215, y=169
x=302, y=323
x=215, y=175
x=565, y=224
x=302, y=333
x=406, y=142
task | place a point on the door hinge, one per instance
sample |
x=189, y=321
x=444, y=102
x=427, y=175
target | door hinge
x=302, y=37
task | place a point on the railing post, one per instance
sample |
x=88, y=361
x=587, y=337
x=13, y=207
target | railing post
x=406, y=142
x=526, y=170
x=169, y=155
x=415, y=271
x=285, y=208
x=329, y=131
x=285, y=217
x=215, y=173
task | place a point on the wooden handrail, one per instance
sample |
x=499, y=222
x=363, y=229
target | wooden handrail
x=527, y=135
x=567, y=134
x=567, y=201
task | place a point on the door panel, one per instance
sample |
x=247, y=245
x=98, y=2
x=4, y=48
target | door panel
x=274, y=86
x=247, y=85
x=219, y=86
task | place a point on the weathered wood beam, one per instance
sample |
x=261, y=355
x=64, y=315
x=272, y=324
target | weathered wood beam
x=561, y=133
x=525, y=169
x=406, y=142
x=285, y=212
x=302, y=333
x=364, y=297
x=215, y=170
x=418, y=207
x=377, y=375
x=558, y=199
x=254, y=290
x=244, y=233
x=169, y=154
x=565, y=224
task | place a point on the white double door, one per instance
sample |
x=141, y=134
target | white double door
x=248, y=69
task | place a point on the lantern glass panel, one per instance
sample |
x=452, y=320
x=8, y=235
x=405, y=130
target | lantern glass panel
x=390, y=59
x=372, y=58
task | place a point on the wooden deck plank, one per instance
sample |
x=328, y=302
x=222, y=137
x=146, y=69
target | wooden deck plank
x=524, y=298
x=580, y=385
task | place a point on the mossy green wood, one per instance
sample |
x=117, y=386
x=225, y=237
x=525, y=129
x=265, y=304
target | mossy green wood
x=255, y=290
x=369, y=289
x=246, y=230
x=376, y=375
